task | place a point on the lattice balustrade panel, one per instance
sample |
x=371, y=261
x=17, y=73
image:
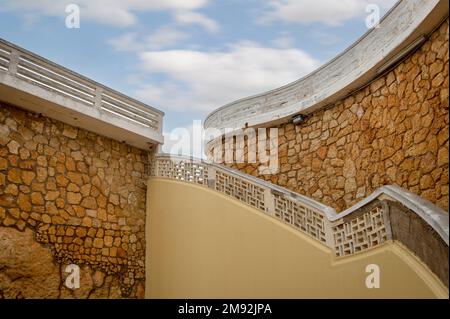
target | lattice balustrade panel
x=183, y=170
x=360, y=233
x=300, y=217
x=240, y=189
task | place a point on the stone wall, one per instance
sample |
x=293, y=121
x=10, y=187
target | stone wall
x=394, y=131
x=79, y=195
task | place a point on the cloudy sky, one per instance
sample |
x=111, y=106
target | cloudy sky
x=188, y=57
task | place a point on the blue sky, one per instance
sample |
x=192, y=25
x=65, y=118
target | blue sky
x=188, y=57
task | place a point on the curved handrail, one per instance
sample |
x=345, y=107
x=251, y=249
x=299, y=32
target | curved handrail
x=203, y=172
x=329, y=211
x=355, y=67
x=433, y=215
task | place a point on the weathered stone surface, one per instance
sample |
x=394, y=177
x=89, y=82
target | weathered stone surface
x=89, y=202
x=73, y=198
x=98, y=243
x=108, y=241
x=13, y=147
x=70, y=131
x=14, y=176
x=98, y=278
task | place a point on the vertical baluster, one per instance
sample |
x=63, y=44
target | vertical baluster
x=98, y=99
x=211, y=183
x=269, y=202
x=13, y=61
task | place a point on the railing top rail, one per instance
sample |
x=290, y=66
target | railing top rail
x=54, y=66
x=329, y=211
x=435, y=216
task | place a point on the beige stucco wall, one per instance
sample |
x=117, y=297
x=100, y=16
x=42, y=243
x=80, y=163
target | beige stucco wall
x=201, y=244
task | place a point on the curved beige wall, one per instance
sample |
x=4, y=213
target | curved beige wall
x=201, y=244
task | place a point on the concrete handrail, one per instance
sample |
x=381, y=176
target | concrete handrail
x=433, y=215
x=401, y=30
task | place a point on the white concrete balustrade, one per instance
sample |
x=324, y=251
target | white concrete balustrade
x=34, y=83
x=349, y=232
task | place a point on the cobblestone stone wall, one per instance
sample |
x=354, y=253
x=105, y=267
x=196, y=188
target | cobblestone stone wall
x=394, y=131
x=82, y=196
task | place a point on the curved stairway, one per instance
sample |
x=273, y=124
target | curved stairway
x=377, y=222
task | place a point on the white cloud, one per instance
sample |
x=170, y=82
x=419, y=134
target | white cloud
x=285, y=41
x=111, y=12
x=161, y=38
x=189, y=17
x=330, y=12
x=164, y=37
x=127, y=42
x=203, y=81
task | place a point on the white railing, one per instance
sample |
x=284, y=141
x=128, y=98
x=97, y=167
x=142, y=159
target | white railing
x=363, y=226
x=40, y=72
